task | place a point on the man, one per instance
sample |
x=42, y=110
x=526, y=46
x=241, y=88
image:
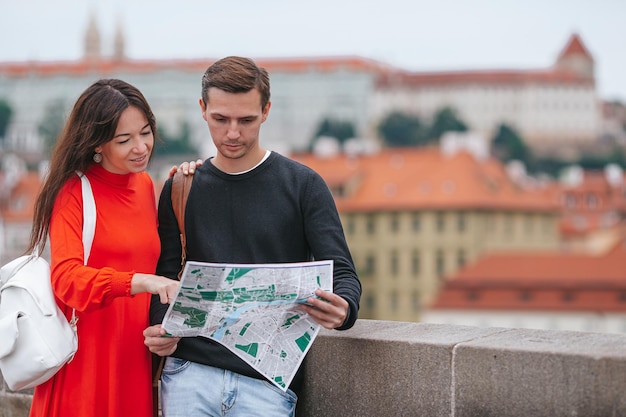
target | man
x=246, y=205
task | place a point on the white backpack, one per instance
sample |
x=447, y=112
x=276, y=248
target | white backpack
x=36, y=339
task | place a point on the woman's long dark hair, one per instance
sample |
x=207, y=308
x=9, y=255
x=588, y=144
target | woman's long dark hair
x=91, y=123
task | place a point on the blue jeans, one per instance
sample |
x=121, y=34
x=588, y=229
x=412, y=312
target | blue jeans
x=190, y=389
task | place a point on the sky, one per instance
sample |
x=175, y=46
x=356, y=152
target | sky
x=416, y=35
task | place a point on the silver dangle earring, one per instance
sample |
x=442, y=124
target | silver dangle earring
x=97, y=157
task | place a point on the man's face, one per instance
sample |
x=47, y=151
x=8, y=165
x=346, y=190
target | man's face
x=234, y=120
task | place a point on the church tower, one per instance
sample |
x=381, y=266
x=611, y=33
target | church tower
x=92, y=40
x=576, y=58
x=119, y=43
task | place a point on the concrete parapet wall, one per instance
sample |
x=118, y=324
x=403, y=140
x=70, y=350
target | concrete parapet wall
x=384, y=368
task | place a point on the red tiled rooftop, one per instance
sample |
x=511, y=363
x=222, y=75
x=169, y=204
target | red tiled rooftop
x=196, y=66
x=575, y=46
x=424, y=178
x=19, y=205
x=539, y=281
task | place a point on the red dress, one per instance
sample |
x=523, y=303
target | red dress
x=110, y=374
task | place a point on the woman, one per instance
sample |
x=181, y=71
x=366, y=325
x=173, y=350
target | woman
x=109, y=136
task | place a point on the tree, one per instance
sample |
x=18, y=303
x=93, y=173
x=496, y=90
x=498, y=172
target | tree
x=6, y=112
x=508, y=145
x=399, y=129
x=338, y=129
x=176, y=144
x=52, y=123
x=445, y=120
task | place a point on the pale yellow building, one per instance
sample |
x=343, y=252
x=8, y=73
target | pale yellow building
x=413, y=216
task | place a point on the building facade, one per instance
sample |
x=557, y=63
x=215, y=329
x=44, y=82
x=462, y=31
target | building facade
x=414, y=216
x=554, y=109
x=548, y=290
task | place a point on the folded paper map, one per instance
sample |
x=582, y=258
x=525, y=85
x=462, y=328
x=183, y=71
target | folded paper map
x=254, y=310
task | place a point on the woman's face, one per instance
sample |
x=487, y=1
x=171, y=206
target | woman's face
x=131, y=146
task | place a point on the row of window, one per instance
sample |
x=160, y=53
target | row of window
x=370, y=266
x=370, y=302
x=527, y=295
x=444, y=221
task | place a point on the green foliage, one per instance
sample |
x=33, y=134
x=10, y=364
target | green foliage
x=6, y=112
x=508, y=145
x=338, y=129
x=599, y=161
x=547, y=165
x=399, y=129
x=446, y=120
x=52, y=123
x=175, y=144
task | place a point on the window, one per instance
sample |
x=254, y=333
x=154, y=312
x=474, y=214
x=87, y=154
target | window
x=370, y=265
x=441, y=222
x=394, y=301
x=415, y=264
x=592, y=201
x=473, y=295
x=439, y=263
x=370, y=302
x=508, y=224
x=394, y=222
x=568, y=296
x=350, y=225
x=570, y=201
x=460, y=258
x=529, y=224
x=416, y=303
x=394, y=263
x=489, y=222
x=416, y=222
x=371, y=224
x=460, y=222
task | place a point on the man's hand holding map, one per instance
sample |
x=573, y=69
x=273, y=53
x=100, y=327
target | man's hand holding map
x=252, y=309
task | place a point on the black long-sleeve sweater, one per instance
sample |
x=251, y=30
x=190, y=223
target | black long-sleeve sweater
x=281, y=211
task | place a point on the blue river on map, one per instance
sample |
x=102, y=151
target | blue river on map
x=234, y=316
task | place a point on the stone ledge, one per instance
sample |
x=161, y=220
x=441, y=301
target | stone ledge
x=405, y=369
x=383, y=368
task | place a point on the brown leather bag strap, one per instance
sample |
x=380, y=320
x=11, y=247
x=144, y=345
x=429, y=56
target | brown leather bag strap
x=181, y=184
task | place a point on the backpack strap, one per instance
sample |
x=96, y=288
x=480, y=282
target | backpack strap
x=181, y=184
x=89, y=226
x=89, y=215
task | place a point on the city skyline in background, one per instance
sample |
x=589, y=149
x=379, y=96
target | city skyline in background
x=420, y=36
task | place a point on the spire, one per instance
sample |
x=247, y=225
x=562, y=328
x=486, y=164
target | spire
x=575, y=57
x=119, y=43
x=92, y=40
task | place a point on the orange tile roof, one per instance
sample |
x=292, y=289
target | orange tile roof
x=575, y=46
x=19, y=206
x=386, y=74
x=483, y=77
x=423, y=178
x=539, y=281
x=197, y=66
x=580, y=216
